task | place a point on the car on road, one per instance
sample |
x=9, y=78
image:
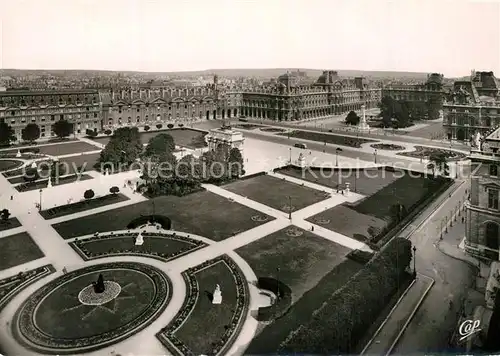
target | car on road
x=301, y=145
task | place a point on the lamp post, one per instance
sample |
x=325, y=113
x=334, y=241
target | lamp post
x=290, y=150
x=451, y=218
x=290, y=207
x=414, y=260
x=446, y=224
x=40, y=204
x=277, y=284
x=375, y=156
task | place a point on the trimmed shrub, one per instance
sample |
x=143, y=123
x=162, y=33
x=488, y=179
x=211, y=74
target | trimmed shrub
x=170, y=126
x=90, y=133
x=164, y=221
x=89, y=194
x=180, y=125
x=30, y=150
x=341, y=322
x=159, y=126
x=281, y=305
x=114, y=190
x=108, y=132
x=146, y=128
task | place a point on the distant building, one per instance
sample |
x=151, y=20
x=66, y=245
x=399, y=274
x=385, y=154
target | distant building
x=289, y=99
x=472, y=107
x=432, y=89
x=165, y=105
x=44, y=108
x=483, y=209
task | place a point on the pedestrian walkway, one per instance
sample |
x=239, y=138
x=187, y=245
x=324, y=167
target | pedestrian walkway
x=394, y=325
x=79, y=154
x=91, y=142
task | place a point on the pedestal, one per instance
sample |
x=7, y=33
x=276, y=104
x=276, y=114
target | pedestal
x=301, y=161
x=217, y=299
x=347, y=188
x=363, y=126
x=49, y=183
x=18, y=154
x=139, y=240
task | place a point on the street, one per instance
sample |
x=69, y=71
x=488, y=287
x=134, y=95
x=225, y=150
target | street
x=432, y=325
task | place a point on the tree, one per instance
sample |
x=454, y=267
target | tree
x=159, y=126
x=31, y=132
x=91, y=133
x=123, y=148
x=401, y=113
x=386, y=106
x=437, y=161
x=170, y=126
x=5, y=214
x=352, y=118
x=114, y=190
x=6, y=134
x=159, y=145
x=62, y=128
x=89, y=194
x=181, y=125
x=146, y=128
x=235, y=163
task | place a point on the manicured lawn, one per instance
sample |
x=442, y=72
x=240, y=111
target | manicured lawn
x=80, y=163
x=423, y=152
x=18, y=249
x=328, y=138
x=202, y=213
x=8, y=164
x=275, y=192
x=348, y=222
x=54, y=317
x=207, y=322
x=40, y=184
x=9, y=224
x=160, y=245
x=182, y=137
x=367, y=218
x=268, y=341
x=364, y=181
x=61, y=149
x=80, y=206
x=247, y=126
x=407, y=191
x=303, y=260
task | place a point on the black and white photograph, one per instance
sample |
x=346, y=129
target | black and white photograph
x=249, y=177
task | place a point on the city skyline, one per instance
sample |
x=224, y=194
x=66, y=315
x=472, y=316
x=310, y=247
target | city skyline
x=166, y=36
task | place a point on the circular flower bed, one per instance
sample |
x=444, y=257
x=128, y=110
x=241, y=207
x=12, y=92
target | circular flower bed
x=88, y=296
x=260, y=218
x=272, y=129
x=425, y=152
x=9, y=164
x=322, y=221
x=144, y=293
x=387, y=147
x=294, y=232
x=287, y=208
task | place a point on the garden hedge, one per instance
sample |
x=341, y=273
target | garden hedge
x=164, y=221
x=341, y=322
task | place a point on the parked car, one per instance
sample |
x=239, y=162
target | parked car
x=301, y=145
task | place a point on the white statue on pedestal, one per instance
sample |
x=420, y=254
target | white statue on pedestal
x=301, y=161
x=139, y=240
x=49, y=183
x=33, y=165
x=477, y=140
x=217, y=298
x=363, y=126
x=347, y=188
x=18, y=154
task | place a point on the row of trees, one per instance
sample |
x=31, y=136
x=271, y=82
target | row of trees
x=162, y=173
x=32, y=132
x=401, y=113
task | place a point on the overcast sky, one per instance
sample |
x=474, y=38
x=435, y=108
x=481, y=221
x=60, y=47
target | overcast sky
x=451, y=37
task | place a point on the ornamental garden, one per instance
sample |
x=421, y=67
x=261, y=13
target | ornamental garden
x=265, y=240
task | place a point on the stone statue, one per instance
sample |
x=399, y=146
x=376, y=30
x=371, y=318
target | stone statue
x=217, y=298
x=99, y=286
x=477, y=140
x=139, y=239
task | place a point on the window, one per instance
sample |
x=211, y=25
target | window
x=493, y=199
x=95, y=114
x=52, y=117
x=493, y=170
x=61, y=117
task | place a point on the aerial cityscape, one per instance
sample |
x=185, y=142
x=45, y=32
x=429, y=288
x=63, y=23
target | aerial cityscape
x=249, y=178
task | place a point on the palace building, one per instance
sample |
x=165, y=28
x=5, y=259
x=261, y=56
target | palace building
x=289, y=100
x=80, y=107
x=164, y=105
x=432, y=89
x=482, y=234
x=472, y=107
